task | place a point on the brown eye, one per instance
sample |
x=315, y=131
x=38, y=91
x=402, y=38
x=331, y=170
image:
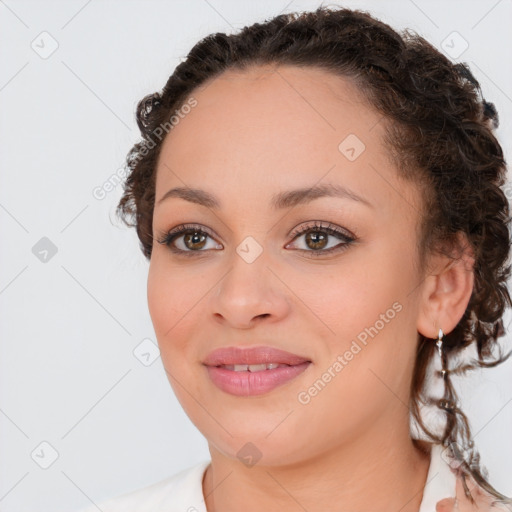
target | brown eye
x=316, y=240
x=318, y=237
x=188, y=240
x=194, y=240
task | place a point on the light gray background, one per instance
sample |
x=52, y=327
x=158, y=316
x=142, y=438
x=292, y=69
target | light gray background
x=69, y=325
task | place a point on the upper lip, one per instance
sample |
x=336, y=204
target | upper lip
x=252, y=355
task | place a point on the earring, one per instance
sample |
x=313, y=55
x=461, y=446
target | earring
x=445, y=403
x=439, y=344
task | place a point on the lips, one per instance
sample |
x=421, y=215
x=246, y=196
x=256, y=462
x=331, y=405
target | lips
x=255, y=371
x=252, y=356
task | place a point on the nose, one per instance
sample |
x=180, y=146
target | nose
x=249, y=293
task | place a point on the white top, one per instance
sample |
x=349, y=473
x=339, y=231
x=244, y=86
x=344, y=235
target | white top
x=183, y=492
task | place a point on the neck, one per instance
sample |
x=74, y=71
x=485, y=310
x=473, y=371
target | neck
x=375, y=472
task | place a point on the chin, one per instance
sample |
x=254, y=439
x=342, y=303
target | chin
x=255, y=447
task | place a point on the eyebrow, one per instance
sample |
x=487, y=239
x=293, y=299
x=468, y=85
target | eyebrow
x=281, y=200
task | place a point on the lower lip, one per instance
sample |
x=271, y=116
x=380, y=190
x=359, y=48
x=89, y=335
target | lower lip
x=253, y=383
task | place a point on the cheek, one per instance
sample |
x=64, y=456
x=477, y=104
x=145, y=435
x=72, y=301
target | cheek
x=161, y=303
x=170, y=297
x=366, y=305
x=170, y=304
x=350, y=298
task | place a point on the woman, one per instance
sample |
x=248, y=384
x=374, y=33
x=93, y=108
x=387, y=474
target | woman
x=319, y=199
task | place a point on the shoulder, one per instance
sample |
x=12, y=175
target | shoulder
x=181, y=491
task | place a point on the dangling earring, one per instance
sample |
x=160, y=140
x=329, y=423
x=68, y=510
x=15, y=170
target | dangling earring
x=445, y=403
x=455, y=456
x=439, y=344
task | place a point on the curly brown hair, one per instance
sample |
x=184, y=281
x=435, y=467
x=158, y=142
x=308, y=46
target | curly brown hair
x=440, y=133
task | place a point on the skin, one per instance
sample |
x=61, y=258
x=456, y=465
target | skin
x=252, y=134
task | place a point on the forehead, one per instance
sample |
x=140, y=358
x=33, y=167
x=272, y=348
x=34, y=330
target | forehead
x=264, y=101
x=272, y=126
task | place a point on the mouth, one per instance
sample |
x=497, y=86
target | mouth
x=253, y=356
x=253, y=371
x=252, y=367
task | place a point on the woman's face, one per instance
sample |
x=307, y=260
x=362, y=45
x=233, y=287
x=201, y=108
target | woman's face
x=247, y=279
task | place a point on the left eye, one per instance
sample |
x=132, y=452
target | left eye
x=316, y=239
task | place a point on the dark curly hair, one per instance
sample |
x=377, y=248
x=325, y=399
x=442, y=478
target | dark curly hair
x=440, y=133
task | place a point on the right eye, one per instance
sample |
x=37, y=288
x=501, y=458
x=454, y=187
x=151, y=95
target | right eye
x=193, y=239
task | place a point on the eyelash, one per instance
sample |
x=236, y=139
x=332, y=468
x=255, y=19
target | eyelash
x=168, y=238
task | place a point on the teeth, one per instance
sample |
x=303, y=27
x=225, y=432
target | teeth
x=251, y=367
x=256, y=367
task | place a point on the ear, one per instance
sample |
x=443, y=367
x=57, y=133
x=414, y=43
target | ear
x=446, y=290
